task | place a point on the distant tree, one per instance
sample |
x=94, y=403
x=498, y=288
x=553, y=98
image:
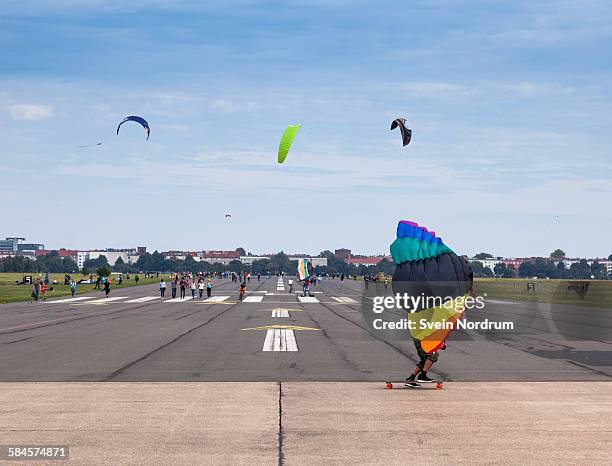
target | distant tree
x=103, y=271
x=510, y=272
x=599, y=271
x=610, y=257
x=480, y=270
x=235, y=266
x=580, y=270
x=242, y=251
x=557, y=254
x=69, y=265
x=93, y=264
x=483, y=255
x=500, y=269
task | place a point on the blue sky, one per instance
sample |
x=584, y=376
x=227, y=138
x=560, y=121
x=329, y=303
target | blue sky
x=509, y=102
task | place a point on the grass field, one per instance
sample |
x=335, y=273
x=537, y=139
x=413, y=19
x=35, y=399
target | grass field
x=10, y=292
x=592, y=293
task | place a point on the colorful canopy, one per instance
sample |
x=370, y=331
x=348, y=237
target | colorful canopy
x=427, y=267
x=304, y=269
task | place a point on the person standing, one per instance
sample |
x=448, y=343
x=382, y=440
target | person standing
x=201, y=287
x=73, y=286
x=242, y=290
x=107, y=288
x=36, y=289
x=192, y=285
x=183, y=286
x=290, y=286
x=209, y=288
x=162, y=288
x=174, y=285
x=47, y=278
x=43, y=291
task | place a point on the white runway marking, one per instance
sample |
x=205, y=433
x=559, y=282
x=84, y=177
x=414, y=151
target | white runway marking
x=216, y=299
x=344, y=299
x=312, y=292
x=308, y=299
x=143, y=300
x=252, y=299
x=177, y=300
x=280, y=339
x=107, y=300
x=280, y=313
x=69, y=300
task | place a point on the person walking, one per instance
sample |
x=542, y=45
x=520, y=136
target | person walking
x=107, y=288
x=192, y=285
x=201, y=287
x=162, y=288
x=43, y=291
x=209, y=288
x=73, y=286
x=242, y=290
x=290, y=286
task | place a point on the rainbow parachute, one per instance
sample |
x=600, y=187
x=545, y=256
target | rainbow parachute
x=304, y=269
x=426, y=267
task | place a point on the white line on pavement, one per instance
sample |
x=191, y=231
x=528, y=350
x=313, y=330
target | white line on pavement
x=143, y=299
x=178, y=300
x=252, y=299
x=107, y=300
x=344, y=299
x=308, y=299
x=280, y=339
x=216, y=299
x=280, y=313
x=69, y=300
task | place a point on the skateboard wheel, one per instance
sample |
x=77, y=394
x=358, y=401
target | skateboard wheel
x=439, y=386
x=389, y=385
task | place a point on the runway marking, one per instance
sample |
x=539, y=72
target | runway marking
x=143, y=299
x=102, y=301
x=280, y=340
x=308, y=299
x=216, y=299
x=252, y=299
x=344, y=299
x=68, y=300
x=312, y=292
x=279, y=326
x=280, y=313
x=177, y=300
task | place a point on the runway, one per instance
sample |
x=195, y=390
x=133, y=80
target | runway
x=275, y=335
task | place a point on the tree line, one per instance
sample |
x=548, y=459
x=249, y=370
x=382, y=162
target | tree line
x=543, y=267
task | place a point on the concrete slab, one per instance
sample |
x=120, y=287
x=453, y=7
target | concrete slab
x=465, y=423
x=145, y=423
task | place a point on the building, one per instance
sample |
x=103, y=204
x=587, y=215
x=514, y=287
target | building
x=490, y=262
x=82, y=256
x=366, y=260
x=220, y=257
x=111, y=256
x=15, y=245
x=343, y=254
x=69, y=253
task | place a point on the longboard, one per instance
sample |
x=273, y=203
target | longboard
x=391, y=385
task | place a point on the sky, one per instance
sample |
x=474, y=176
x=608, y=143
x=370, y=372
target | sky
x=509, y=102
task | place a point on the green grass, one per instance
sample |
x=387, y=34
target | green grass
x=598, y=294
x=10, y=292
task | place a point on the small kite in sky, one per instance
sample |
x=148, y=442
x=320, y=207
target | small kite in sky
x=406, y=132
x=139, y=120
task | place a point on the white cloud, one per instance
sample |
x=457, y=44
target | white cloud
x=223, y=105
x=30, y=111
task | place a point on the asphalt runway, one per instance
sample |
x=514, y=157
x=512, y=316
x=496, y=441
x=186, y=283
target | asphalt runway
x=276, y=336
